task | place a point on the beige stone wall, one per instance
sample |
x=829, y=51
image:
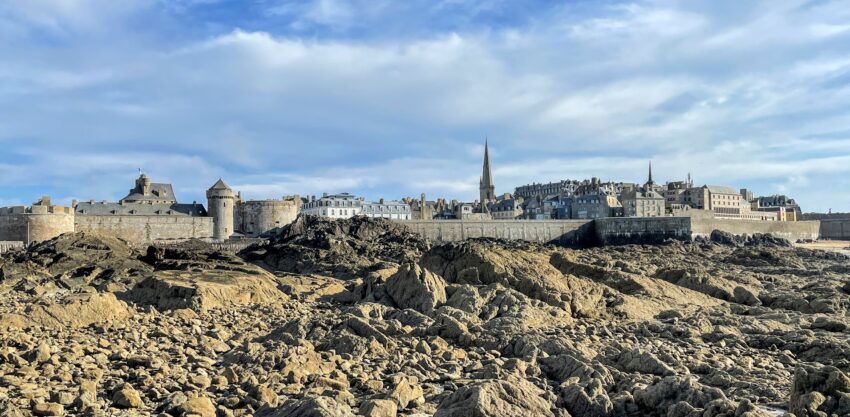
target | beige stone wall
x=30, y=227
x=567, y=232
x=835, y=229
x=257, y=217
x=146, y=229
x=793, y=231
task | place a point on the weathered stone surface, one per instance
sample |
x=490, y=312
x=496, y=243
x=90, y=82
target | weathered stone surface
x=495, y=399
x=417, y=288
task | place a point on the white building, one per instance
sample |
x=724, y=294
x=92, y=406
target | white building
x=335, y=206
x=395, y=210
x=345, y=205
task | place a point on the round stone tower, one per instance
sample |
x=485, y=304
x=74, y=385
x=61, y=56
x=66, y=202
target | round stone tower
x=220, y=202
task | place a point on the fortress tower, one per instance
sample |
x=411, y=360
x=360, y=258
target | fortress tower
x=221, y=201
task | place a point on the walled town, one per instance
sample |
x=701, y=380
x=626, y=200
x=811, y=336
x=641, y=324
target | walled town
x=569, y=298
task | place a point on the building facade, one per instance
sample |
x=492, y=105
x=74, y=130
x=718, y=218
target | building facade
x=333, y=206
x=393, y=210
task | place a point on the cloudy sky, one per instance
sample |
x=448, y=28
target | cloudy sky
x=394, y=98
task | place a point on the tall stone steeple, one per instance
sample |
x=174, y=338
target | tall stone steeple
x=649, y=181
x=486, y=188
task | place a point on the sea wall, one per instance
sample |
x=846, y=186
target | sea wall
x=607, y=231
x=146, y=229
x=625, y=230
x=6, y=246
x=35, y=224
x=563, y=232
x=793, y=231
x=257, y=217
x=835, y=229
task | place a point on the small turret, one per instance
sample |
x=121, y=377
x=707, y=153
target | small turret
x=221, y=201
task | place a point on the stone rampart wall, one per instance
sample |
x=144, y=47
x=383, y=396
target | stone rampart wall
x=146, y=229
x=6, y=246
x=35, y=227
x=625, y=230
x=792, y=231
x=257, y=217
x=564, y=232
x=835, y=229
x=607, y=231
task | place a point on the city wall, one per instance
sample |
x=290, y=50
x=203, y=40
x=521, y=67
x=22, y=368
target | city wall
x=34, y=224
x=607, y=231
x=564, y=232
x=146, y=229
x=625, y=230
x=256, y=217
x=6, y=246
x=835, y=229
x=793, y=231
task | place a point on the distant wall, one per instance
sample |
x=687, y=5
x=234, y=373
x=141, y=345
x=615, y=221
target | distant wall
x=624, y=230
x=260, y=216
x=146, y=229
x=702, y=226
x=6, y=246
x=564, y=232
x=835, y=229
x=34, y=227
x=607, y=231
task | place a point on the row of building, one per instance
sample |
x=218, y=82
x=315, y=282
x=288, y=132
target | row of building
x=151, y=212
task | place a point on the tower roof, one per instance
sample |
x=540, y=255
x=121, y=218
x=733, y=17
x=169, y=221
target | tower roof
x=487, y=175
x=219, y=185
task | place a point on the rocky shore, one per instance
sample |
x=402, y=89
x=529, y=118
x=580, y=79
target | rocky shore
x=361, y=317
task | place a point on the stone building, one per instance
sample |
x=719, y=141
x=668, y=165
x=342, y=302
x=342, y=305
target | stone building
x=40, y=221
x=564, y=188
x=393, y=210
x=595, y=200
x=333, y=206
x=786, y=209
x=507, y=208
x=644, y=201
x=255, y=217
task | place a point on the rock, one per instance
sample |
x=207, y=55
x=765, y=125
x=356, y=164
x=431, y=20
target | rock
x=200, y=406
x=589, y=400
x=378, y=408
x=742, y=295
x=79, y=310
x=496, y=398
x=48, y=409
x=405, y=392
x=638, y=360
x=819, y=389
x=670, y=390
x=416, y=288
x=314, y=407
x=127, y=397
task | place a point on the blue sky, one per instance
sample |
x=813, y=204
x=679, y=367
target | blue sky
x=394, y=98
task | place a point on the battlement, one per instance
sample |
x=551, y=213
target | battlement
x=35, y=209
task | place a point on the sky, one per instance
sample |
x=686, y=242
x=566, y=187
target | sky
x=389, y=99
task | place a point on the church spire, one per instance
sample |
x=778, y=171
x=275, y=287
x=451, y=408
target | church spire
x=486, y=188
x=649, y=181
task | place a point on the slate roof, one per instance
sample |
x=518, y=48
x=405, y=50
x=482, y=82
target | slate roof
x=720, y=189
x=219, y=185
x=118, y=209
x=158, y=192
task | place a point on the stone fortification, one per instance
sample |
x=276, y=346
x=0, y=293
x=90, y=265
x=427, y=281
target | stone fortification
x=255, y=217
x=608, y=231
x=35, y=223
x=566, y=232
x=146, y=229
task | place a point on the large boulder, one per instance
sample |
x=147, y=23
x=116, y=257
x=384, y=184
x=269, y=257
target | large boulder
x=496, y=398
x=819, y=390
x=417, y=288
x=314, y=407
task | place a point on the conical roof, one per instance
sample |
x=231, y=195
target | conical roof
x=219, y=185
